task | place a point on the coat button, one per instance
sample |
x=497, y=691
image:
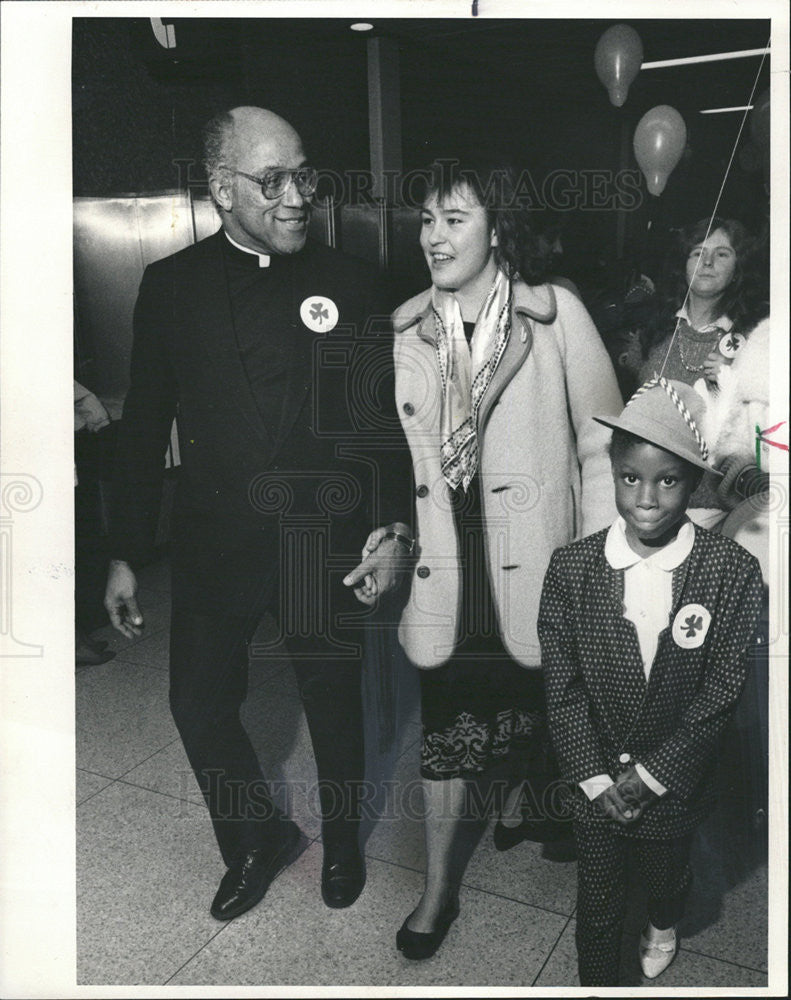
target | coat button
x=423, y=572
x=422, y=490
x=625, y=758
x=409, y=409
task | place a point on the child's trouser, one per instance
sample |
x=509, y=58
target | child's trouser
x=602, y=852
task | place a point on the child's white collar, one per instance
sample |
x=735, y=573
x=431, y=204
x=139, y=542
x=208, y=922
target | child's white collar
x=620, y=554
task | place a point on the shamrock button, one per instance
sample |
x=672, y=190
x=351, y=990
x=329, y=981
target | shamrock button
x=319, y=313
x=690, y=626
x=730, y=344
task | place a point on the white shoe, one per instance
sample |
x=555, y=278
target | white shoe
x=655, y=956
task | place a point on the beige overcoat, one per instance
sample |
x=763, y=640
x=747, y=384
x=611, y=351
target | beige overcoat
x=544, y=471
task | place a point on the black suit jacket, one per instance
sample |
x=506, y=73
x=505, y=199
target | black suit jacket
x=334, y=468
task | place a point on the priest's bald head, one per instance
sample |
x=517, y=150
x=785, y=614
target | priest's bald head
x=259, y=179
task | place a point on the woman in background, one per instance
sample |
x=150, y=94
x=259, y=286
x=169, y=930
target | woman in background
x=497, y=377
x=712, y=300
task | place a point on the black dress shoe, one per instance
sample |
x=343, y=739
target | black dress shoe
x=417, y=946
x=539, y=831
x=342, y=875
x=246, y=881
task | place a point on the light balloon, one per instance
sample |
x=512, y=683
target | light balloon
x=618, y=57
x=659, y=141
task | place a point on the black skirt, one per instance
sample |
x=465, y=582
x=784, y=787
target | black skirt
x=480, y=707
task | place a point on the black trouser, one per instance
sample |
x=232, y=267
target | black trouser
x=601, y=892
x=208, y=683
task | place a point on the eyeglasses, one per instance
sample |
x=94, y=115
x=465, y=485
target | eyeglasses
x=274, y=182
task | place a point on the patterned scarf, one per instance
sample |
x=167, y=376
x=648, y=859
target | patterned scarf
x=466, y=373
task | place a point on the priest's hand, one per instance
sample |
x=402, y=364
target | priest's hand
x=120, y=599
x=386, y=558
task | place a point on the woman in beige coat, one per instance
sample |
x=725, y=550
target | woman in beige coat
x=497, y=376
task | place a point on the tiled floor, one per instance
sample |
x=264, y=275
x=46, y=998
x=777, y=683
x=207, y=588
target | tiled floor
x=148, y=867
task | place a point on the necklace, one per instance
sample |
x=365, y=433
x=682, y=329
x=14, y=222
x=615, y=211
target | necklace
x=684, y=358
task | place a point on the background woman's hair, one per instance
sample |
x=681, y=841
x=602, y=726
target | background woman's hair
x=494, y=184
x=742, y=301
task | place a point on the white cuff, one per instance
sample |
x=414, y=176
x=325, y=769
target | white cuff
x=652, y=783
x=596, y=785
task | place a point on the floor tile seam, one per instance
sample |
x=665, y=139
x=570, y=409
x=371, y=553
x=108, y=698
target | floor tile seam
x=553, y=949
x=151, y=633
x=717, y=958
x=82, y=802
x=695, y=951
x=98, y=774
x=145, y=760
x=192, y=957
x=511, y=899
x=157, y=791
x=148, y=633
x=140, y=788
x=121, y=658
x=468, y=885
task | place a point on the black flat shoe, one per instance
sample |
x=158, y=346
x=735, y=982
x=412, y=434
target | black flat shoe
x=417, y=946
x=246, y=881
x=538, y=831
x=342, y=875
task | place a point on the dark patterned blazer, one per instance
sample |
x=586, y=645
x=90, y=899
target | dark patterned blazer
x=603, y=714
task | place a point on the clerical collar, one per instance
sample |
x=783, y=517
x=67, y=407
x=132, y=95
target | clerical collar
x=264, y=259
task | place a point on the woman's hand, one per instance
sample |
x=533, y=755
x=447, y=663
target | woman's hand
x=711, y=368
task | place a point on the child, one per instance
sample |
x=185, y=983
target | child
x=645, y=630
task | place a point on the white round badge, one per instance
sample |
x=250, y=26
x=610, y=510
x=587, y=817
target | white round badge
x=730, y=344
x=691, y=626
x=319, y=313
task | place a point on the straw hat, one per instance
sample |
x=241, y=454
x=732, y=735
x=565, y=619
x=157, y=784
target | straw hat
x=666, y=413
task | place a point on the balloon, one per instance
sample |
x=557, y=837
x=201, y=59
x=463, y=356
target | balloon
x=759, y=120
x=659, y=141
x=618, y=57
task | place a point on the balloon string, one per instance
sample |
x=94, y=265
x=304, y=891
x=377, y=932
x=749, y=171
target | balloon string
x=716, y=206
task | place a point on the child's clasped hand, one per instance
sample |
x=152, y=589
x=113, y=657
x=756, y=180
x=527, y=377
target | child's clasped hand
x=625, y=800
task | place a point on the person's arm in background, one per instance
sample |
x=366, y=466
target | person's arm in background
x=89, y=412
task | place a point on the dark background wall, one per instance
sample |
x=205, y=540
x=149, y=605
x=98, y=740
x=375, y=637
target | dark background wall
x=527, y=87
x=138, y=108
